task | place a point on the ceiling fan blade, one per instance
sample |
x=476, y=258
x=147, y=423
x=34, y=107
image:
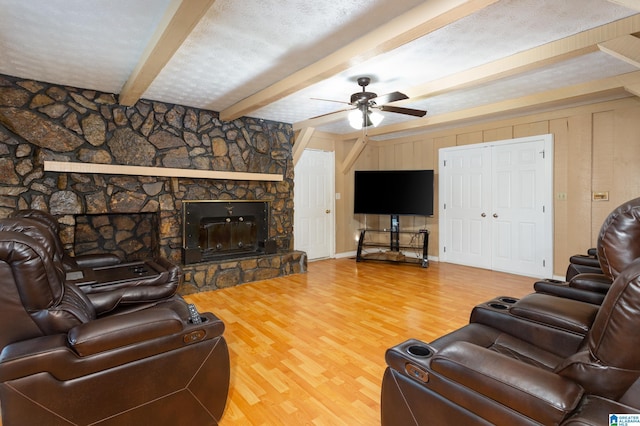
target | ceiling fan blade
x=330, y=100
x=329, y=113
x=390, y=97
x=407, y=111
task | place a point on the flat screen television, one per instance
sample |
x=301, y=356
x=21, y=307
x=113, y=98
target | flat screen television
x=394, y=192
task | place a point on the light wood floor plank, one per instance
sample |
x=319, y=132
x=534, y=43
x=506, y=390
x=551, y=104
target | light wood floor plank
x=308, y=349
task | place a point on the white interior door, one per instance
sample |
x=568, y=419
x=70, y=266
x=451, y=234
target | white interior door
x=519, y=208
x=496, y=211
x=313, y=204
x=466, y=188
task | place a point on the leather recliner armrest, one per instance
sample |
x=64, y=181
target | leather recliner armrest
x=121, y=330
x=564, y=314
x=55, y=356
x=536, y=393
x=585, y=260
x=89, y=261
x=598, y=283
x=567, y=292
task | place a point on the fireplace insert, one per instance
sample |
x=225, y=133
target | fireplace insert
x=220, y=230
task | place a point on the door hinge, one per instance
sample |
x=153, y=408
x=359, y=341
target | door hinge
x=444, y=206
x=544, y=263
x=444, y=249
x=542, y=152
x=444, y=163
x=543, y=209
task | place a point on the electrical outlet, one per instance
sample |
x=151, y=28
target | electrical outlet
x=600, y=196
x=561, y=196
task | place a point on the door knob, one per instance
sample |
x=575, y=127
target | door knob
x=327, y=211
x=495, y=215
x=483, y=215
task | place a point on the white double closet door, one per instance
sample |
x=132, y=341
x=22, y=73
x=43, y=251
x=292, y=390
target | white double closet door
x=496, y=205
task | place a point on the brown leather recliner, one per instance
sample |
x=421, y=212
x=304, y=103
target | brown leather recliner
x=618, y=245
x=110, y=291
x=497, y=370
x=62, y=363
x=583, y=263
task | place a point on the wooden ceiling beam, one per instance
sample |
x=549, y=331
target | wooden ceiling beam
x=631, y=4
x=537, y=57
x=325, y=119
x=353, y=155
x=407, y=27
x=633, y=89
x=301, y=142
x=625, y=48
x=178, y=22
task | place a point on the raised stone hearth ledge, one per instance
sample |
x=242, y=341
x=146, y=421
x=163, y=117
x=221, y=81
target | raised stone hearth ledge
x=115, y=169
x=208, y=276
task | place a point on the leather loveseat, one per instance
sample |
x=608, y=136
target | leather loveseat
x=500, y=370
x=63, y=361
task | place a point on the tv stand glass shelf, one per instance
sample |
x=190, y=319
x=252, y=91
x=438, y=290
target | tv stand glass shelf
x=394, y=246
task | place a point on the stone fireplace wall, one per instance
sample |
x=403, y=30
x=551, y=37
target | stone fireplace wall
x=41, y=121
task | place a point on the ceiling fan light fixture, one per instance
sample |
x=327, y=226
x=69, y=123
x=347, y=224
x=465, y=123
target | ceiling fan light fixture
x=366, y=106
x=359, y=118
x=355, y=119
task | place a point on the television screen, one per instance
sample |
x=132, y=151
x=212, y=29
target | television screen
x=394, y=192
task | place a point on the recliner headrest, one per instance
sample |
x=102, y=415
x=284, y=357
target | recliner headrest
x=51, y=290
x=40, y=215
x=619, y=239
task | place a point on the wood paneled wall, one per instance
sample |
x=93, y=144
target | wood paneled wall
x=596, y=148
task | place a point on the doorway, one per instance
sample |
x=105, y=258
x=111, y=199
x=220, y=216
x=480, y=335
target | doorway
x=496, y=205
x=314, y=205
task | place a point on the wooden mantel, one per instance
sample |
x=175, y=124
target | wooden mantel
x=114, y=169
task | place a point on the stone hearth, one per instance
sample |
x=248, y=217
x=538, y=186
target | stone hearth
x=43, y=122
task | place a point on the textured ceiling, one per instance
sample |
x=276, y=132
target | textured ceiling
x=238, y=50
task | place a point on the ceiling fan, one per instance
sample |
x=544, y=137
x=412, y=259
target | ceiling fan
x=365, y=104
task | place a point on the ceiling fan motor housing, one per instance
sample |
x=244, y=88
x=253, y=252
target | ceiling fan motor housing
x=362, y=97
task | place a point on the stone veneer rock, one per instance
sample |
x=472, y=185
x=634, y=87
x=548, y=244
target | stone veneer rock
x=41, y=121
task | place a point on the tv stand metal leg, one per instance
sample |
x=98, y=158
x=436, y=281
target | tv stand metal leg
x=425, y=249
x=360, y=243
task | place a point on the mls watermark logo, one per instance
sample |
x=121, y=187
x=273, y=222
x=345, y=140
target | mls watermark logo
x=624, y=419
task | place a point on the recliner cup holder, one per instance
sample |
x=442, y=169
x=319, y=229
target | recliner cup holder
x=509, y=300
x=419, y=351
x=499, y=306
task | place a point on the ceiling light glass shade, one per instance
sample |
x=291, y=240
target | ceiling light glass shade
x=355, y=119
x=376, y=118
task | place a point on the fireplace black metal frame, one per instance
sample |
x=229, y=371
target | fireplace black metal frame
x=241, y=215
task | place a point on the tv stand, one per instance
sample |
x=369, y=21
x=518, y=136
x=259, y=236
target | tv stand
x=417, y=244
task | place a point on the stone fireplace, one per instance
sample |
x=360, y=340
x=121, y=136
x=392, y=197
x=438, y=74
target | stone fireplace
x=42, y=123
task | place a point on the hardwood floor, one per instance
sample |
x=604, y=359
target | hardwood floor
x=308, y=349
